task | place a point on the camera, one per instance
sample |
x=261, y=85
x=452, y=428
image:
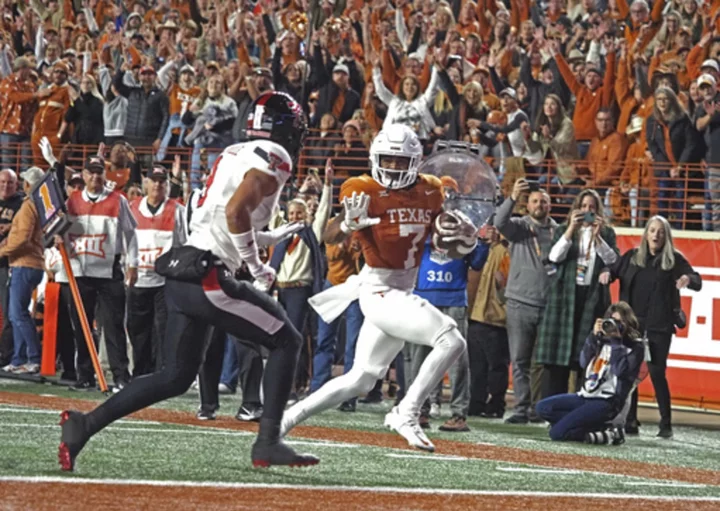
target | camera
x=611, y=327
x=589, y=218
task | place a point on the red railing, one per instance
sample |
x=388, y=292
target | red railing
x=682, y=199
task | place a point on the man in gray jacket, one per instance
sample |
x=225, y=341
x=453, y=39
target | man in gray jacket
x=530, y=240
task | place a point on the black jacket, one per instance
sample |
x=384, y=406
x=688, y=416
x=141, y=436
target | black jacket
x=685, y=141
x=86, y=114
x=328, y=91
x=147, y=114
x=657, y=315
x=538, y=91
x=239, y=127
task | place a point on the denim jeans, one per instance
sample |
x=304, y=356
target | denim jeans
x=327, y=340
x=173, y=123
x=10, y=156
x=572, y=416
x=671, y=198
x=230, y=366
x=26, y=346
x=213, y=151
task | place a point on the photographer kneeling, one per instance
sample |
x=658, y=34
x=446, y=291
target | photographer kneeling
x=612, y=357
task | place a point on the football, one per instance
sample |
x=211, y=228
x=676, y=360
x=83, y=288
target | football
x=456, y=249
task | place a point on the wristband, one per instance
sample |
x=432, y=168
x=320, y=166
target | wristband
x=247, y=249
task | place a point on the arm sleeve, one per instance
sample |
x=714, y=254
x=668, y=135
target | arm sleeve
x=509, y=228
x=323, y=212
x=606, y=252
x=21, y=231
x=119, y=83
x=181, y=231
x=383, y=93
x=127, y=224
x=560, y=250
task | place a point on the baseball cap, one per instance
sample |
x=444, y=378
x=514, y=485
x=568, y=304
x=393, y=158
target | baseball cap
x=341, y=68
x=75, y=177
x=33, y=175
x=61, y=66
x=635, y=125
x=95, y=163
x=187, y=68
x=711, y=63
x=158, y=173
x=263, y=71
x=508, y=91
x=147, y=70
x=706, y=79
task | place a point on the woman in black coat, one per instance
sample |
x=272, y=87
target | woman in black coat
x=673, y=142
x=86, y=114
x=651, y=277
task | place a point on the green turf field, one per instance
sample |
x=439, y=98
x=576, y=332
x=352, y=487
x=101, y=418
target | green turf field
x=146, y=450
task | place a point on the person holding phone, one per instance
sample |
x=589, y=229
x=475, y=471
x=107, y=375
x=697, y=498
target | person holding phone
x=582, y=247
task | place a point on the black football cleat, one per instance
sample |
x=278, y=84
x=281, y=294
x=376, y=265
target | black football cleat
x=266, y=454
x=72, y=439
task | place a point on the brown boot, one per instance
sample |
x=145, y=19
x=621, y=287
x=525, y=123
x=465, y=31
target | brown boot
x=456, y=423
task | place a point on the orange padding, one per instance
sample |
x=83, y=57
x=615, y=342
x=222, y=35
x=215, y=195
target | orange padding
x=50, y=321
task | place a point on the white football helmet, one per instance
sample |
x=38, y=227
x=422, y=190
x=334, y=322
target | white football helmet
x=396, y=140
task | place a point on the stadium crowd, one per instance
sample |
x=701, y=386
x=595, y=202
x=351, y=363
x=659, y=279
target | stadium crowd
x=592, y=113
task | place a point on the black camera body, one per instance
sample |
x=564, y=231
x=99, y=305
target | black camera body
x=612, y=328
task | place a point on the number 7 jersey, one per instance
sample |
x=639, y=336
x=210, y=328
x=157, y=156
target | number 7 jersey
x=406, y=218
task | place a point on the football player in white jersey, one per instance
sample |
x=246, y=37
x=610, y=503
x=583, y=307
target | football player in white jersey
x=239, y=198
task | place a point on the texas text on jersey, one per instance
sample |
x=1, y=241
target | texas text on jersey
x=406, y=217
x=209, y=228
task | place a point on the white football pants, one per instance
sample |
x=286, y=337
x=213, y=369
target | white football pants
x=392, y=317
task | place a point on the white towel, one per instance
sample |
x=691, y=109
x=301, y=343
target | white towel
x=332, y=302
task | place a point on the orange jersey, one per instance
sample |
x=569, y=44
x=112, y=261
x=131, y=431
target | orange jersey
x=180, y=100
x=51, y=111
x=406, y=217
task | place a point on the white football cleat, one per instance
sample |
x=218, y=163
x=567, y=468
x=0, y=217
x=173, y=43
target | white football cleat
x=291, y=418
x=409, y=429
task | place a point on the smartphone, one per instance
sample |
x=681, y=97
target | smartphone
x=533, y=184
x=589, y=218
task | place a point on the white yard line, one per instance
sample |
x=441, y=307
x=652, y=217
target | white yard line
x=560, y=471
x=363, y=489
x=195, y=431
x=56, y=412
x=666, y=485
x=430, y=457
x=322, y=444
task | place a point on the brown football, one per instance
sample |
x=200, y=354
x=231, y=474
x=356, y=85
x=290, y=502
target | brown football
x=455, y=249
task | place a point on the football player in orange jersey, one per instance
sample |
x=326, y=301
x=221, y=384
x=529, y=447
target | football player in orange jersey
x=391, y=215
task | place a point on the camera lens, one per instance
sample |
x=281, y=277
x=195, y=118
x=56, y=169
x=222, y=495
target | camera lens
x=610, y=327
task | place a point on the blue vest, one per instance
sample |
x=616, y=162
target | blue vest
x=318, y=258
x=443, y=281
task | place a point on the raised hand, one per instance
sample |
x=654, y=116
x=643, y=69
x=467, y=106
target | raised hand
x=356, y=213
x=47, y=151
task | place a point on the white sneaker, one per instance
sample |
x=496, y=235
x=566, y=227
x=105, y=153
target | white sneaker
x=435, y=411
x=28, y=369
x=10, y=368
x=409, y=429
x=224, y=389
